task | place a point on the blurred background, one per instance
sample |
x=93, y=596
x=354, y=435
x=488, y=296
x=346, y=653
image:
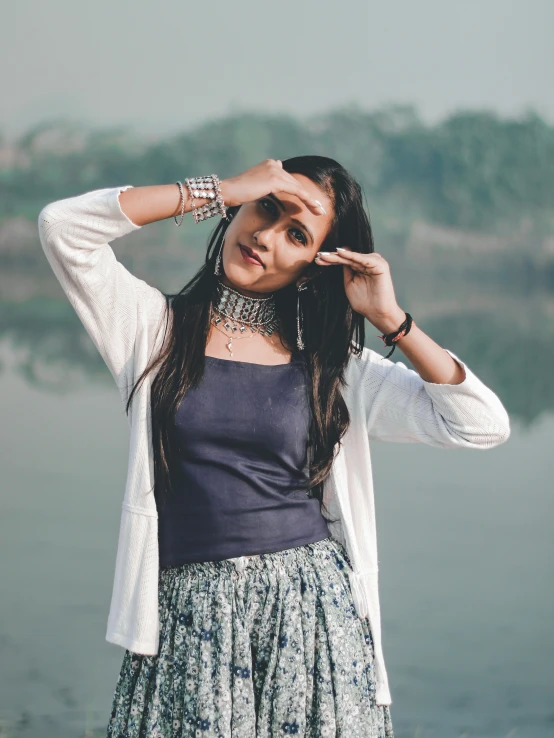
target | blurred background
x=445, y=113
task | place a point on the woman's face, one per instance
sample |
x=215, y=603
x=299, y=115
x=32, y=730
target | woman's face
x=283, y=232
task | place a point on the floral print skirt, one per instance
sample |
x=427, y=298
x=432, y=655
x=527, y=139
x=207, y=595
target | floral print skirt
x=255, y=648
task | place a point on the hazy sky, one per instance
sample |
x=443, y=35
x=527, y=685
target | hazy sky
x=160, y=66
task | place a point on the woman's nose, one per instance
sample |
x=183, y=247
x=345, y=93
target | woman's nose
x=263, y=238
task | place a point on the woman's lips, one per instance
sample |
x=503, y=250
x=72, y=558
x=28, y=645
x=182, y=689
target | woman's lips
x=247, y=258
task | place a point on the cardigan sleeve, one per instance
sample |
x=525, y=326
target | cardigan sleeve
x=75, y=234
x=400, y=406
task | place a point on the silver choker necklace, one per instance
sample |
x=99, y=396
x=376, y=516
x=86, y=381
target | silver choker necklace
x=257, y=313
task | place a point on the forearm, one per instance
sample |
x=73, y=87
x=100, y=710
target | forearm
x=151, y=203
x=430, y=360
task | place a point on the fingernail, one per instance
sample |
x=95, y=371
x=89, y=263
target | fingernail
x=341, y=249
x=325, y=253
x=320, y=206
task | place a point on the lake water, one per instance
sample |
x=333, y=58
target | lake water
x=465, y=537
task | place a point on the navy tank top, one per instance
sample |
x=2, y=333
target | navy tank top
x=241, y=472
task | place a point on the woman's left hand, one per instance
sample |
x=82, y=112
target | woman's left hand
x=368, y=286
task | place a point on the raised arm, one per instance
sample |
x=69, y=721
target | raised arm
x=443, y=403
x=112, y=303
x=400, y=406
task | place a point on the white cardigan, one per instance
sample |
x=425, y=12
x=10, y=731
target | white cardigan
x=386, y=401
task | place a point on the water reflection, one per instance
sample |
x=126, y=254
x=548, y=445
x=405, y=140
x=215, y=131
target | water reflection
x=504, y=330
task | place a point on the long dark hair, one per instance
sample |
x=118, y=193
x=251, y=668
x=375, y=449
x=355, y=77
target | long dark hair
x=331, y=330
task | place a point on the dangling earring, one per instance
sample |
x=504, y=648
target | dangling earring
x=217, y=269
x=299, y=341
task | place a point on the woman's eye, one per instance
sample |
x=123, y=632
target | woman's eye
x=302, y=235
x=272, y=208
x=263, y=203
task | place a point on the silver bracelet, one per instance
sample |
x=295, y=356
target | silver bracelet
x=206, y=187
x=182, y=204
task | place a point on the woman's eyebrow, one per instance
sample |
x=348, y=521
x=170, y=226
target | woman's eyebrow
x=281, y=205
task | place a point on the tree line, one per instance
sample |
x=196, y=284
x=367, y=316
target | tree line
x=473, y=170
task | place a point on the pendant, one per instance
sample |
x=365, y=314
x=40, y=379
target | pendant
x=230, y=346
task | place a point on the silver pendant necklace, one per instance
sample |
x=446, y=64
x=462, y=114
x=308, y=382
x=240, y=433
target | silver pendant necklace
x=239, y=312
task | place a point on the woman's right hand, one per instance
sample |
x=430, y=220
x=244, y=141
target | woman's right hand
x=266, y=177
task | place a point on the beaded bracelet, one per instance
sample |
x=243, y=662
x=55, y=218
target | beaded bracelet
x=390, y=339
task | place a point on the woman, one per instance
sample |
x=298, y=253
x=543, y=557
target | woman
x=246, y=580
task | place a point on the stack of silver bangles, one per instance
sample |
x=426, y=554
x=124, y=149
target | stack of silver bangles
x=203, y=187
